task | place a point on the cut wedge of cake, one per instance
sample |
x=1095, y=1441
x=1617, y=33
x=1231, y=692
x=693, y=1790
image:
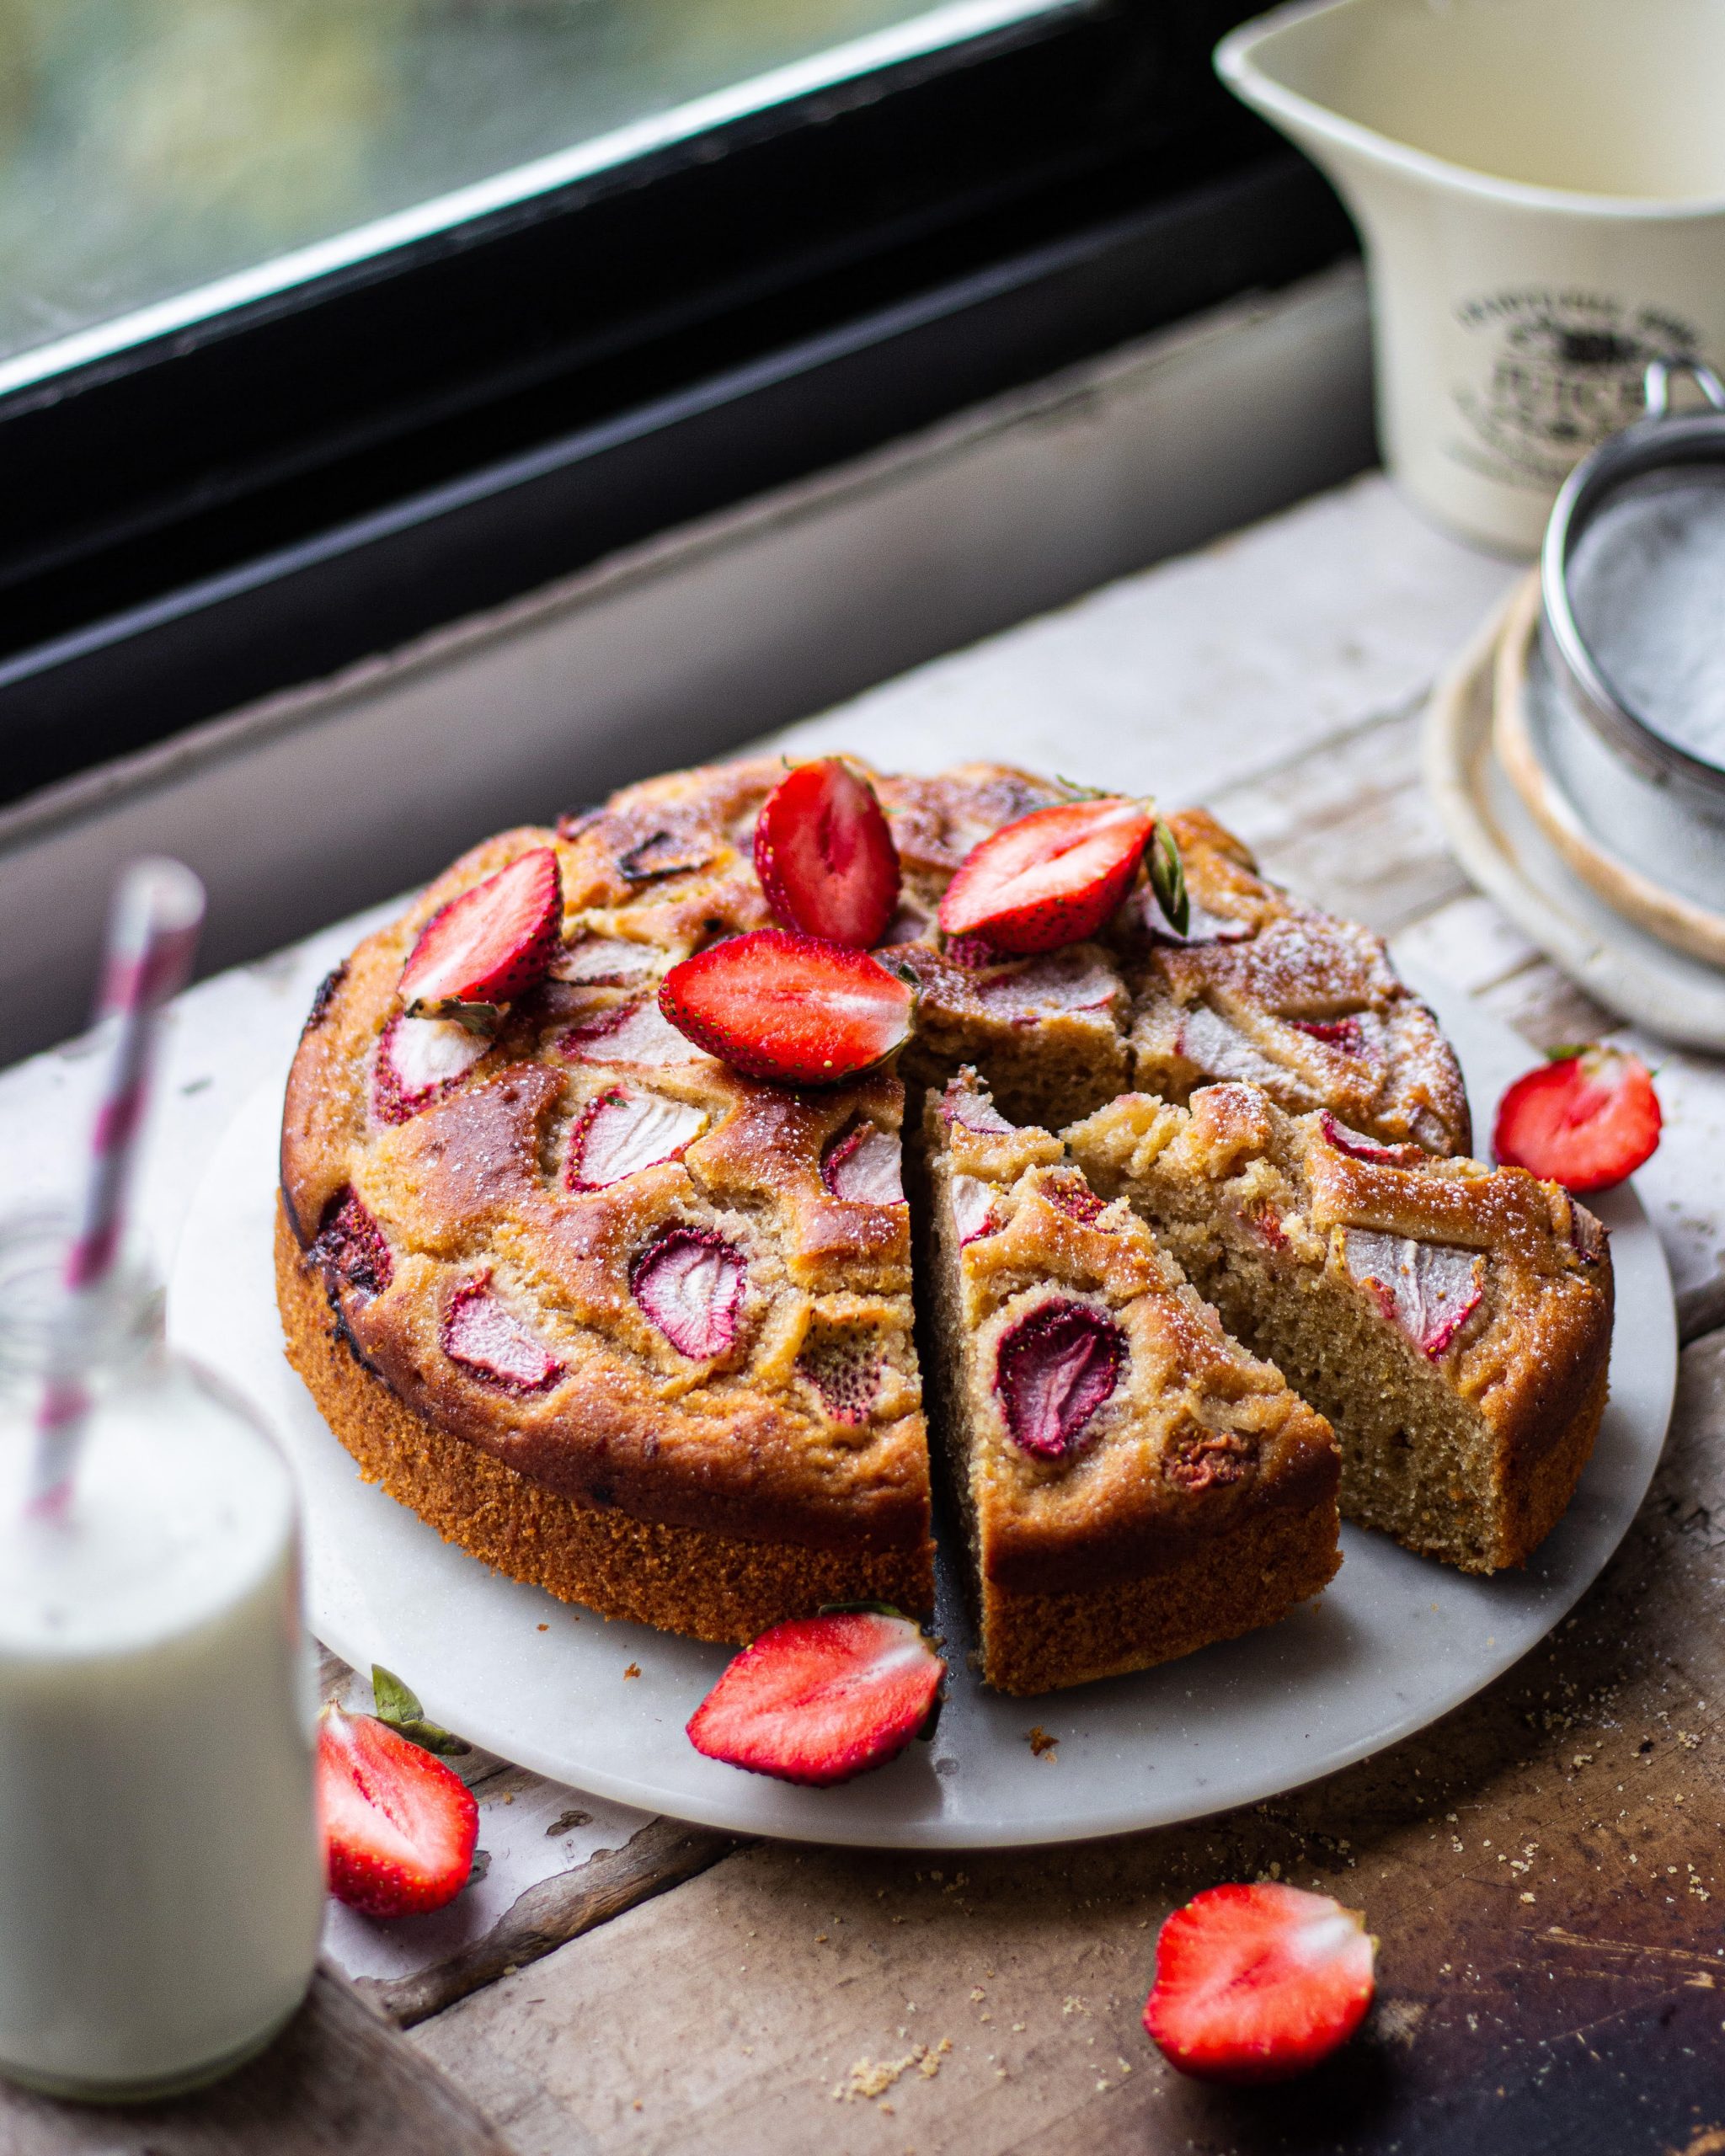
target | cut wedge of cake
x=1132, y=1484
x=1264, y=989
x=1453, y=1321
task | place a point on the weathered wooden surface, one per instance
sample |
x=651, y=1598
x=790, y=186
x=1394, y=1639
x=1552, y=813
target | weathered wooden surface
x=1544, y=1871
x=339, y=2078
x=1280, y=676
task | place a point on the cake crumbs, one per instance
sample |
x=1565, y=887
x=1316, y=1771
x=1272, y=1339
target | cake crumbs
x=633, y=1670
x=545, y=1628
x=872, y=2078
x=1042, y=1745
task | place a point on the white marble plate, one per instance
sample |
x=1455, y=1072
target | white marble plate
x=1394, y=1642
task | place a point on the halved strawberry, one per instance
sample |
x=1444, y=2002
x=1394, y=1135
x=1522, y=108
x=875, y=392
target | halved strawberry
x=489, y=944
x=1053, y=877
x=398, y=1826
x=776, y=1004
x=1257, y=1983
x=1586, y=1119
x=825, y=857
x=817, y=1700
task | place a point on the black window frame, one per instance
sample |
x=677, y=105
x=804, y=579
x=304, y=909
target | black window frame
x=257, y=500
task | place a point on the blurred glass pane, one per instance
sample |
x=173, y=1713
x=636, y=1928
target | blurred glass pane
x=150, y=148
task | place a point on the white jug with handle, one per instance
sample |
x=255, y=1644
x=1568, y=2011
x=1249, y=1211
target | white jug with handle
x=1539, y=186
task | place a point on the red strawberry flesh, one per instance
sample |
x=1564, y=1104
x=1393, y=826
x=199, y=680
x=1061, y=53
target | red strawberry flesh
x=1586, y=1121
x=627, y=1032
x=690, y=1283
x=623, y=1132
x=784, y=1006
x=862, y=1166
x=971, y=1107
x=1257, y=1983
x=843, y=1364
x=351, y=1245
x=825, y=854
x=1053, y=877
x=398, y=1826
x=1068, y=1192
x=1359, y=1147
x=1056, y=1369
x=1430, y=1289
x=973, y=1210
x=818, y=1700
x=491, y=943
x=487, y=1339
x=419, y=1061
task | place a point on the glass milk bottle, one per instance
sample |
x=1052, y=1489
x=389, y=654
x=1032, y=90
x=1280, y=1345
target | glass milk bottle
x=160, y=1882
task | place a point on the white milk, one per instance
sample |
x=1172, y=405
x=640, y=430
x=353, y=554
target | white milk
x=161, y=1885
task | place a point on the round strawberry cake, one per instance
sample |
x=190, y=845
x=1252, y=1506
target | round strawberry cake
x=595, y=1244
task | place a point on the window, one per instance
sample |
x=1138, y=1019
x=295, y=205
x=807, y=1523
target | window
x=323, y=323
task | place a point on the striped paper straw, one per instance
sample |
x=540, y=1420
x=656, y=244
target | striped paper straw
x=152, y=933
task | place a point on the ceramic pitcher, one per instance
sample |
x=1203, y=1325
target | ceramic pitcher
x=1539, y=187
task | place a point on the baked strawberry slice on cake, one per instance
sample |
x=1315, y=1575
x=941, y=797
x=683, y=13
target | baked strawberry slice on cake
x=1452, y=1320
x=1132, y=1484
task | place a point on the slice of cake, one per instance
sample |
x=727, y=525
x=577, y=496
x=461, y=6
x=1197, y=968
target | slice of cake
x=1264, y=989
x=1452, y=1320
x=1131, y=1483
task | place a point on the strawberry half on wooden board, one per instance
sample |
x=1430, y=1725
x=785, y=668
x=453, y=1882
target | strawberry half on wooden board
x=1053, y=877
x=818, y=1700
x=1587, y=1118
x=398, y=1826
x=489, y=945
x=776, y=1004
x=1258, y=1983
x=825, y=854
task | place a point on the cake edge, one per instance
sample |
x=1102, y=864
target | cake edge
x=711, y=1587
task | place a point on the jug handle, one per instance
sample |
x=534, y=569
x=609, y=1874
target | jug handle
x=1656, y=385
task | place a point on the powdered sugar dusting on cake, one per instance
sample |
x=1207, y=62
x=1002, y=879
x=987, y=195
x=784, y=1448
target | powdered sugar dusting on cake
x=1430, y=1289
x=690, y=1283
x=1220, y=1050
x=624, y=1131
x=1045, y=987
x=862, y=1166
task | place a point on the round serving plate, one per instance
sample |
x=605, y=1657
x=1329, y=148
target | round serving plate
x=1395, y=1642
x=1571, y=786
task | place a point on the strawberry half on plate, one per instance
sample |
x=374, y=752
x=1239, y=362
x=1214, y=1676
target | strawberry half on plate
x=1258, y=1983
x=1586, y=1119
x=788, y=1007
x=489, y=945
x=398, y=1826
x=818, y=1700
x=1053, y=877
x=825, y=857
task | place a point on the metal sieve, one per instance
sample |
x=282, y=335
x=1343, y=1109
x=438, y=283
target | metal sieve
x=1665, y=444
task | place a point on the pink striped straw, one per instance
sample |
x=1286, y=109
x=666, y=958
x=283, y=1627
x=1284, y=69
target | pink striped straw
x=152, y=933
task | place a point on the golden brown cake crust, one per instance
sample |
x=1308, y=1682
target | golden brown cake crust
x=787, y=1451
x=1044, y=1642
x=681, y=1578
x=1518, y=1367
x=1272, y=992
